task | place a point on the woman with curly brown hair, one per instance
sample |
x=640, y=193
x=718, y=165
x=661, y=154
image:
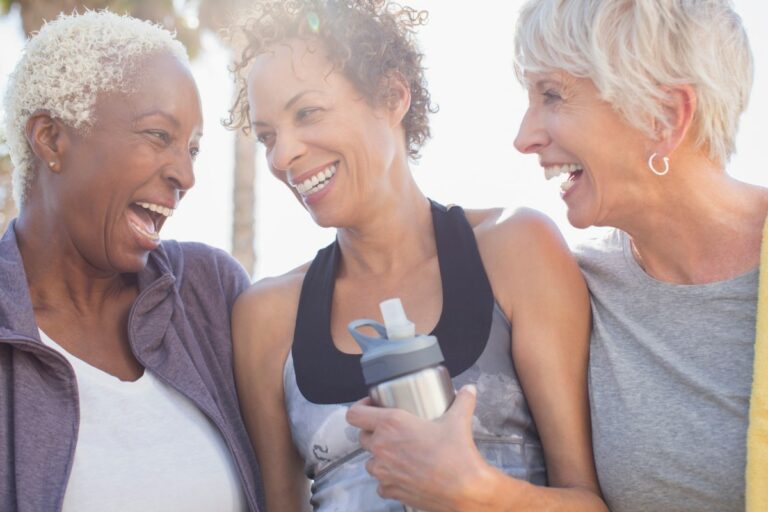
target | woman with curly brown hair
x=336, y=93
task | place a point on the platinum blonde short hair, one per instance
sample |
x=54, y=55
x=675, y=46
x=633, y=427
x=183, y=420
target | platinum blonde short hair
x=66, y=66
x=630, y=48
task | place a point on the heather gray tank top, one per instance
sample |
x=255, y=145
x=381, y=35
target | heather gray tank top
x=670, y=378
x=320, y=382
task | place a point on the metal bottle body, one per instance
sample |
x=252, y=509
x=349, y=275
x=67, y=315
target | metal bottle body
x=427, y=393
x=403, y=370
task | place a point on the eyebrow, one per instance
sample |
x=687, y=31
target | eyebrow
x=296, y=97
x=171, y=119
x=165, y=115
x=544, y=82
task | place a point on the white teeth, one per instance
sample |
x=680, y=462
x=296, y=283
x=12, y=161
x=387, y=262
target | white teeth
x=316, y=182
x=162, y=210
x=566, y=185
x=557, y=170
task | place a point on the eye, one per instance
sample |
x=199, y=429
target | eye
x=550, y=96
x=306, y=113
x=193, y=152
x=161, y=135
x=265, y=138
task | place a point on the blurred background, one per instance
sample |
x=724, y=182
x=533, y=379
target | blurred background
x=238, y=206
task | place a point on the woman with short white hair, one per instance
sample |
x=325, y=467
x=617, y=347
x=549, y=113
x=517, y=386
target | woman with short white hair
x=635, y=105
x=116, y=386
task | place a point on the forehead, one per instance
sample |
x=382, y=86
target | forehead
x=288, y=68
x=156, y=83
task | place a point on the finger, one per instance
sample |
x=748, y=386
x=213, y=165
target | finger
x=366, y=417
x=463, y=406
x=366, y=400
x=365, y=439
x=370, y=465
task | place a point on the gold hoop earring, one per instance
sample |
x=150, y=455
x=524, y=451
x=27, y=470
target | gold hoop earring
x=653, y=169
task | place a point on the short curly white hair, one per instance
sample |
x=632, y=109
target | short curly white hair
x=629, y=48
x=66, y=66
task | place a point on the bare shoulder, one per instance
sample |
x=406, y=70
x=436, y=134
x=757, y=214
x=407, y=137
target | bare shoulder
x=516, y=230
x=264, y=315
x=522, y=249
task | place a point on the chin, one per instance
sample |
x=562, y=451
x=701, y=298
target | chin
x=323, y=222
x=323, y=217
x=579, y=220
x=131, y=263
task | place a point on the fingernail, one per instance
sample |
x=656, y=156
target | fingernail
x=471, y=388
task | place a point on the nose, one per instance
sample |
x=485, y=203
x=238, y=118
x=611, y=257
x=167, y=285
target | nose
x=181, y=173
x=531, y=136
x=286, y=149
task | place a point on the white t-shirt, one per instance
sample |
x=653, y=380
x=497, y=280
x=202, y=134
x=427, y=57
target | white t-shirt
x=142, y=446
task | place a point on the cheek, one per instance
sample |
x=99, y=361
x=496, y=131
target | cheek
x=563, y=125
x=279, y=175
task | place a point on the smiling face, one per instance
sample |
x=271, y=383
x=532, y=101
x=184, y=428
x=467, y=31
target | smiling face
x=122, y=178
x=582, y=139
x=322, y=137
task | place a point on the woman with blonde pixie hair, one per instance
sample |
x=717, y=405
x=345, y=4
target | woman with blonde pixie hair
x=116, y=386
x=635, y=104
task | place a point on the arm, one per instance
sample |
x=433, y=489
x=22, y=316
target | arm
x=262, y=329
x=540, y=288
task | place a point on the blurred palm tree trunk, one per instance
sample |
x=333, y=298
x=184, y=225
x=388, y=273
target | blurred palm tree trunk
x=244, y=199
x=216, y=15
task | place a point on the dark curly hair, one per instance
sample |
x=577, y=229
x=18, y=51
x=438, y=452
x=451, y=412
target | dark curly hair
x=366, y=40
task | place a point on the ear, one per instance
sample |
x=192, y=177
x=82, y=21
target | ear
x=397, y=97
x=679, y=109
x=45, y=137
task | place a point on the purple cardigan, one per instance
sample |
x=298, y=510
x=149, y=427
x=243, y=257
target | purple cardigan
x=179, y=328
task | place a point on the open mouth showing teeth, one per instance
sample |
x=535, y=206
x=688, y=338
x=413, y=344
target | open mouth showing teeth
x=150, y=218
x=571, y=171
x=316, y=182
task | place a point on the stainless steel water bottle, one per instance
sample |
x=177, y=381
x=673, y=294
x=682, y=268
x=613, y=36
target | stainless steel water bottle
x=403, y=369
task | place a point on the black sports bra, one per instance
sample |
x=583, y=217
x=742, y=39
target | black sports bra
x=325, y=375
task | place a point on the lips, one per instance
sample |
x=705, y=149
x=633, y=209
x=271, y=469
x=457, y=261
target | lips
x=146, y=219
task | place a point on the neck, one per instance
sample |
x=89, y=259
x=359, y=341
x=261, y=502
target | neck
x=58, y=276
x=698, y=225
x=393, y=234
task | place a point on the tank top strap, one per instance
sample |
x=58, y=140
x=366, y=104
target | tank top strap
x=465, y=321
x=325, y=375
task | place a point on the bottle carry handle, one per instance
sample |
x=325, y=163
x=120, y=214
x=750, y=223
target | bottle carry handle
x=367, y=342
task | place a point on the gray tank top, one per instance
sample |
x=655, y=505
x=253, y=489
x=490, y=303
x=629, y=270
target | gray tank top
x=320, y=382
x=503, y=431
x=670, y=377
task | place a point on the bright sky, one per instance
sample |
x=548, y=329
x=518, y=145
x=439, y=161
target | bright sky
x=469, y=161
